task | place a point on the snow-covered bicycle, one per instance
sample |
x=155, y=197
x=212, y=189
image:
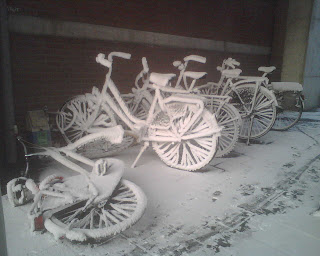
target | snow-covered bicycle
x=255, y=103
x=290, y=101
x=289, y=97
x=181, y=131
x=140, y=99
x=90, y=207
x=227, y=115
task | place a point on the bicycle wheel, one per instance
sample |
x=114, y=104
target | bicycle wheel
x=139, y=109
x=187, y=154
x=103, y=148
x=228, y=119
x=101, y=221
x=263, y=114
x=288, y=114
x=80, y=115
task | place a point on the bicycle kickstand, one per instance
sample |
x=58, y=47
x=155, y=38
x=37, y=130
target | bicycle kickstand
x=144, y=147
x=250, y=129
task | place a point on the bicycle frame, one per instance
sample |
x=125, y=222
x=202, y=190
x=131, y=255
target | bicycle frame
x=67, y=157
x=178, y=126
x=183, y=66
x=230, y=64
x=139, y=92
x=135, y=124
x=167, y=106
x=231, y=80
x=113, y=134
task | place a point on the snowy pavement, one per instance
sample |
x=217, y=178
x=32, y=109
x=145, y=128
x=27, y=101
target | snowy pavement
x=256, y=202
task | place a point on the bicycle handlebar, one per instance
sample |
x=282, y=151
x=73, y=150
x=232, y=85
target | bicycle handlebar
x=231, y=63
x=101, y=58
x=120, y=55
x=145, y=65
x=195, y=58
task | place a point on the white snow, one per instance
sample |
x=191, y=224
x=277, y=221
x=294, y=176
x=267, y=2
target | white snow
x=287, y=86
x=257, y=202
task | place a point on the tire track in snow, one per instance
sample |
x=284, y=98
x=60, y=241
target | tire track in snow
x=221, y=232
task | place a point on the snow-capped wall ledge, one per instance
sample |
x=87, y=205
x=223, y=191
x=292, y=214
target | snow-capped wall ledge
x=41, y=26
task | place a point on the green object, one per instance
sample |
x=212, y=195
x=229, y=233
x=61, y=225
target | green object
x=41, y=138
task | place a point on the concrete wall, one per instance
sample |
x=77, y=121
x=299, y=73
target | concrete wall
x=297, y=32
x=237, y=21
x=279, y=36
x=301, y=56
x=311, y=79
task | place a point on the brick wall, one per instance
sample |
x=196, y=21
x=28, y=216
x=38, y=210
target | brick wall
x=49, y=70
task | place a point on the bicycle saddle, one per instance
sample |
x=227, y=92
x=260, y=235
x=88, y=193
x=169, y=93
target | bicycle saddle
x=194, y=75
x=195, y=58
x=231, y=73
x=267, y=69
x=161, y=79
x=106, y=183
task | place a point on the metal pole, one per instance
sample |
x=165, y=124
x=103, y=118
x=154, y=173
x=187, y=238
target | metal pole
x=6, y=84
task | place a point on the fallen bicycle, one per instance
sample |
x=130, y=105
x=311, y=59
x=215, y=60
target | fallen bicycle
x=90, y=207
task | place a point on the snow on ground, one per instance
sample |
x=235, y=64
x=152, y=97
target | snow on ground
x=255, y=202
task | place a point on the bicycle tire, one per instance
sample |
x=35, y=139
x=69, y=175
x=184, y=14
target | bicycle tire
x=189, y=155
x=72, y=122
x=286, y=118
x=229, y=120
x=139, y=109
x=264, y=110
x=103, y=220
x=78, y=115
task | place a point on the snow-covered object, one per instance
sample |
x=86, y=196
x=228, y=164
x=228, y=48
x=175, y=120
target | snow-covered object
x=131, y=199
x=90, y=113
x=49, y=181
x=17, y=192
x=161, y=79
x=106, y=182
x=112, y=134
x=246, y=98
x=228, y=117
x=194, y=75
x=32, y=186
x=106, y=219
x=286, y=86
x=266, y=69
x=196, y=58
x=94, y=204
x=316, y=213
x=231, y=73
